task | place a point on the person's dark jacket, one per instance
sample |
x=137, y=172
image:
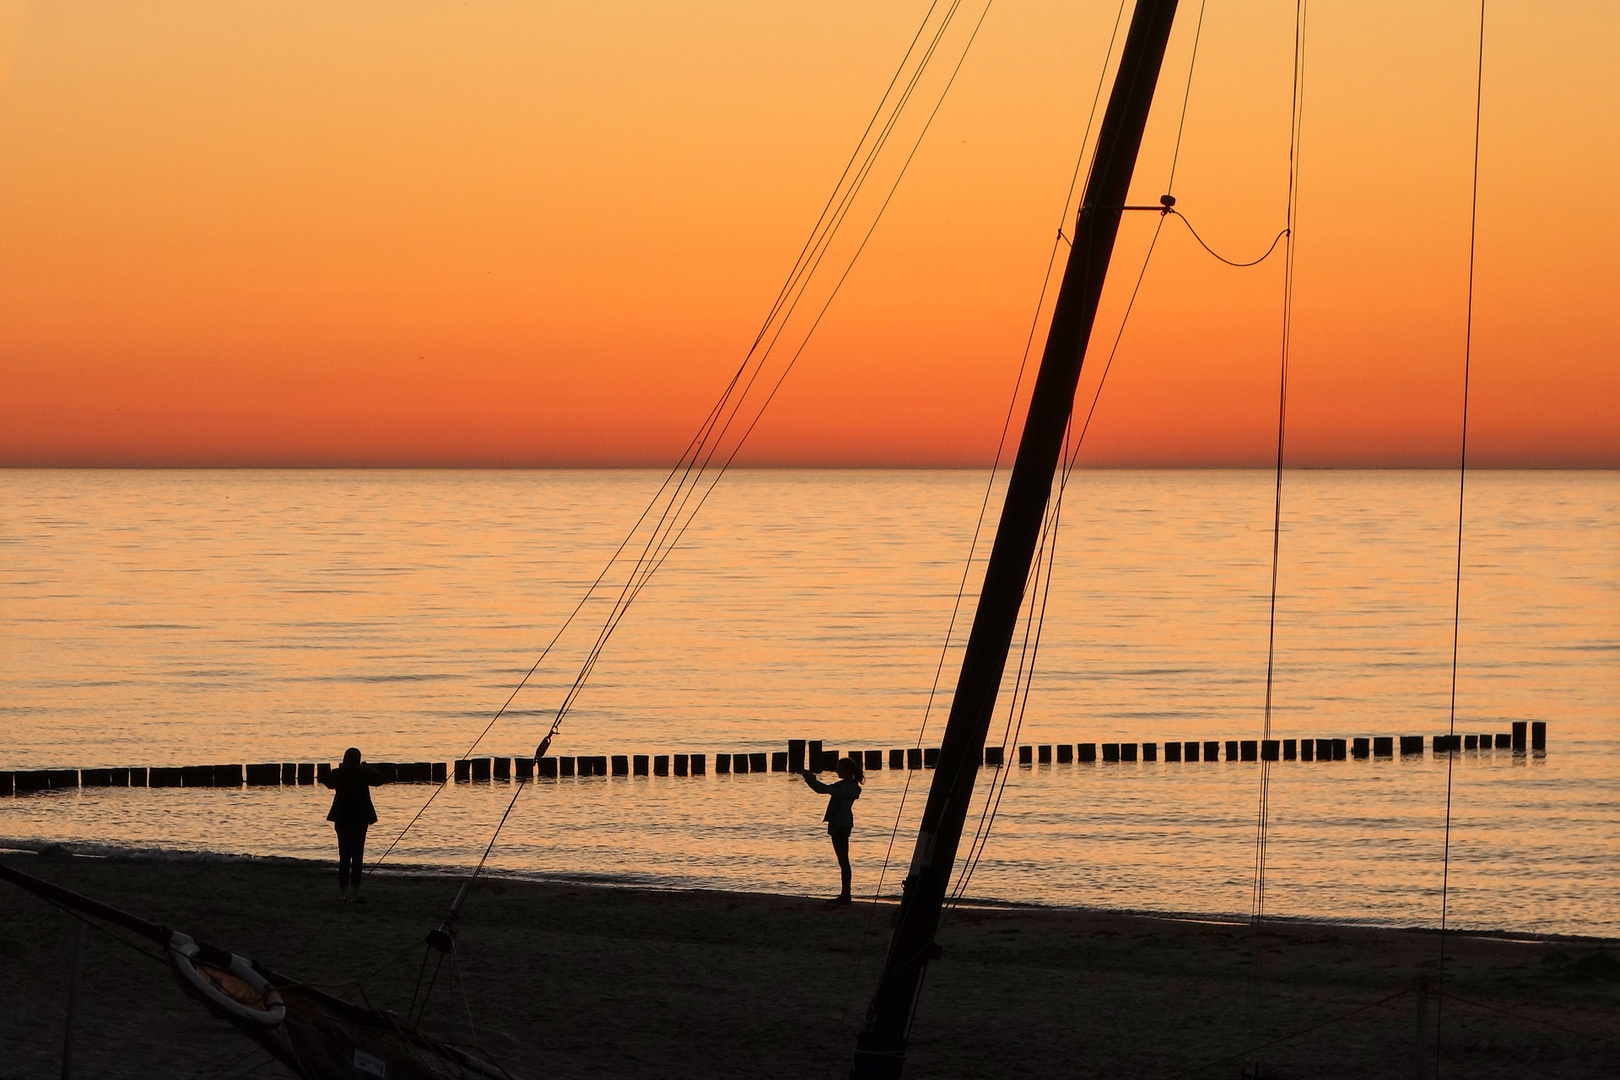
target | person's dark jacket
x=351, y=801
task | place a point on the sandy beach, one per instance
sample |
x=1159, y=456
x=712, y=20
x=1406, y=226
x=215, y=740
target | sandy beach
x=580, y=980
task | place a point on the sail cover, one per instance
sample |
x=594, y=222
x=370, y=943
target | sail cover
x=317, y=1035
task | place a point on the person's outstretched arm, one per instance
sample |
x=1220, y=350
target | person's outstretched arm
x=816, y=785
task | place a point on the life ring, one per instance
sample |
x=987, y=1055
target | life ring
x=182, y=950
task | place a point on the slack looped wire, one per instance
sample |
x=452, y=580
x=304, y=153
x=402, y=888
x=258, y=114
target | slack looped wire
x=1230, y=262
x=1168, y=209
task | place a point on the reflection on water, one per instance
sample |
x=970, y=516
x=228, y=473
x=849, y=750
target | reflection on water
x=184, y=617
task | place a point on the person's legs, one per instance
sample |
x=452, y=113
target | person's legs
x=344, y=859
x=840, y=842
x=351, y=850
x=357, y=850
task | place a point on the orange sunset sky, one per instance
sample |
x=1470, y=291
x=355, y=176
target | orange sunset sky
x=537, y=233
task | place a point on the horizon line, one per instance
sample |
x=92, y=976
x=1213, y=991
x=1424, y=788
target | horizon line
x=797, y=467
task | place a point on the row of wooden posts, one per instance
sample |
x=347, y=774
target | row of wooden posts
x=799, y=755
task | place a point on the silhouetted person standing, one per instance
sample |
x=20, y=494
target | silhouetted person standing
x=840, y=815
x=351, y=814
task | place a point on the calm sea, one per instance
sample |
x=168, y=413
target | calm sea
x=156, y=618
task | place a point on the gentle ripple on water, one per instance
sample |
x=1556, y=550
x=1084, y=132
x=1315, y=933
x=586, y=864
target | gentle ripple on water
x=177, y=617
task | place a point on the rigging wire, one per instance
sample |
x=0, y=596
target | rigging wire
x=1001, y=442
x=988, y=814
x=410, y=1012
x=1462, y=490
x=673, y=537
x=800, y=276
x=427, y=995
x=989, y=488
x=1038, y=590
x=803, y=267
x=993, y=798
x=1229, y=262
x=1295, y=132
x=700, y=452
x=838, y=186
x=673, y=525
x=1170, y=210
x=1186, y=96
x=466, y=1001
x=1037, y=586
x=589, y=592
x=106, y=931
x=664, y=541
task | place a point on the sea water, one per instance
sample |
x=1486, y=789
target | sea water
x=193, y=617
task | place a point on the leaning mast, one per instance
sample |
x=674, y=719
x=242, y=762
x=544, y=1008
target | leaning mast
x=881, y=1045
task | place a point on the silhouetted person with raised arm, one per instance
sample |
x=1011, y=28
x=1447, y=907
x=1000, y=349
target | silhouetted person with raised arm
x=840, y=815
x=351, y=814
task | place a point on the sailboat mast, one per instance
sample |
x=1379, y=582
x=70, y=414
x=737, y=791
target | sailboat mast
x=880, y=1048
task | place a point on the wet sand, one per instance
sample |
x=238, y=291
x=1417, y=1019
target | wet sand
x=580, y=980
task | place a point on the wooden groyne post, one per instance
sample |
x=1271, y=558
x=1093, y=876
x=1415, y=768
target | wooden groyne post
x=1526, y=736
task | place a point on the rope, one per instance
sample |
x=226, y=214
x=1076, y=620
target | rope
x=1068, y=201
x=668, y=547
x=853, y=155
x=673, y=539
x=99, y=928
x=987, y=817
x=1034, y=623
x=1462, y=488
x=1010, y=733
x=1175, y=156
x=1186, y=96
x=1262, y=814
x=984, y=502
x=427, y=995
x=677, y=518
x=466, y=1001
x=1229, y=262
x=589, y=592
x=680, y=485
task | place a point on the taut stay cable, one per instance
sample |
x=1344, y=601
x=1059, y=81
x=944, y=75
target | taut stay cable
x=1257, y=910
x=1462, y=489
